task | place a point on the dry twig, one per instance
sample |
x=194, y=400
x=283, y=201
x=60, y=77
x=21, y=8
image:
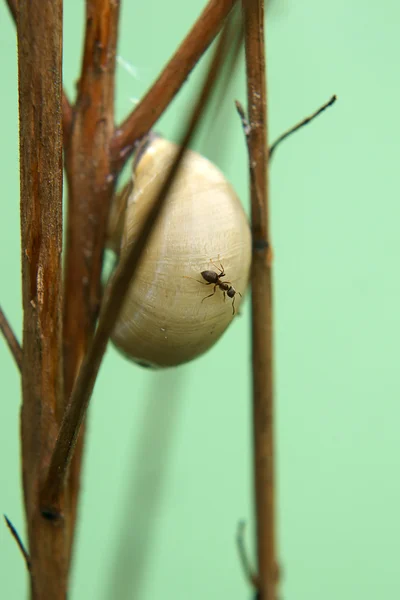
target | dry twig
x=40, y=68
x=11, y=339
x=261, y=282
x=302, y=123
x=66, y=107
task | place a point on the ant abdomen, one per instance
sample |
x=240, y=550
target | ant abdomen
x=210, y=276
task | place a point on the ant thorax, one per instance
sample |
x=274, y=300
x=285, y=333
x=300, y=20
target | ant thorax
x=224, y=287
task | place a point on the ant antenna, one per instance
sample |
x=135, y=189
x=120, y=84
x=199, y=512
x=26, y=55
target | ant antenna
x=219, y=268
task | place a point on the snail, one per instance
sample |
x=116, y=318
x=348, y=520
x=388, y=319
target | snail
x=169, y=316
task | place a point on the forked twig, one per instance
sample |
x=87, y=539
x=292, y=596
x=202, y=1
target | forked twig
x=20, y=544
x=246, y=126
x=11, y=339
x=112, y=304
x=170, y=80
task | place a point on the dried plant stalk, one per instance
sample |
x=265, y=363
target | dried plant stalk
x=39, y=30
x=261, y=284
x=94, y=155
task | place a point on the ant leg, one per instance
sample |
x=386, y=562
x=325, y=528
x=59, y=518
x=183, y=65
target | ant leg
x=194, y=279
x=233, y=305
x=224, y=296
x=215, y=289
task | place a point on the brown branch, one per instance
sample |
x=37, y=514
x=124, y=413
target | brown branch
x=39, y=31
x=111, y=307
x=20, y=544
x=262, y=357
x=11, y=339
x=302, y=123
x=66, y=106
x=170, y=80
x=91, y=183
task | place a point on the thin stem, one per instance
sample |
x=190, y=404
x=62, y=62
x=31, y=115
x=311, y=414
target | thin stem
x=67, y=110
x=170, y=80
x=302, y=123
x=11, y=339
x=112, y=305
x=244, y=559
x=261, y=281
x=39, y=31
x=20, y=544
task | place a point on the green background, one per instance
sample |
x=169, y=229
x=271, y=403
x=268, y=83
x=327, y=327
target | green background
x=168, y=460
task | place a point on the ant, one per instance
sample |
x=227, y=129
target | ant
x=213, y=278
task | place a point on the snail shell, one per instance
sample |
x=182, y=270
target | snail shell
x=164, y=320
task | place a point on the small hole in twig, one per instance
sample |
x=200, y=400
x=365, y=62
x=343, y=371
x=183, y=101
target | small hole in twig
x=260, y=245
x=51, y=514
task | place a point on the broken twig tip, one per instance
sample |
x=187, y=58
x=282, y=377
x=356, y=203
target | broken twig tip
x=243, y=118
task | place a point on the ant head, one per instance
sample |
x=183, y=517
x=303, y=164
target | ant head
x=231, y=292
